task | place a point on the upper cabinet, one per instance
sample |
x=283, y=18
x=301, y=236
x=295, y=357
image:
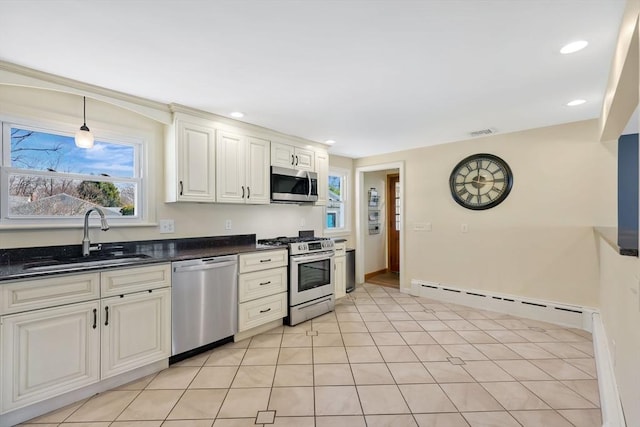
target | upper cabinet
x=242, y=169
x=322, y=169
x=290, y=156
x=190, y=161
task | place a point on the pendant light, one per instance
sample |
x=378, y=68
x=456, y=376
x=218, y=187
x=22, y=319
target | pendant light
x=84, y=137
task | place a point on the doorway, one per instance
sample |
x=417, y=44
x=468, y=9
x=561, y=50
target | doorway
x=379, y=256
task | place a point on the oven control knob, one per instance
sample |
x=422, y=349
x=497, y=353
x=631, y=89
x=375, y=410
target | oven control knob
x=301, y=247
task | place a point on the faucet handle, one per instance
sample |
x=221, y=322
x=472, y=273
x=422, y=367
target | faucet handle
x=95, y=248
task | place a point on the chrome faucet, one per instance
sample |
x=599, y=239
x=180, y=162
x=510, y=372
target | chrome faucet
x=86, y=244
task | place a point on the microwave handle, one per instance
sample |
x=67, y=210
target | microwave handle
x=309, y=179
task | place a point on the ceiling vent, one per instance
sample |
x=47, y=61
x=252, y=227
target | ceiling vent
x=483, y=132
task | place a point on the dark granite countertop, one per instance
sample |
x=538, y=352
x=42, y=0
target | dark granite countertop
x=24, y=263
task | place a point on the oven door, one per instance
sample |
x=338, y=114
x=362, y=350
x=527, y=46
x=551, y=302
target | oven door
x=311, y=277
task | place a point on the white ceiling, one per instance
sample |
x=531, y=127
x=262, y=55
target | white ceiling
x=375, y=75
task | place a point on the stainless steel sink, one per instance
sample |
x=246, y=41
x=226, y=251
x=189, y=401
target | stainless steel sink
x=85, y=262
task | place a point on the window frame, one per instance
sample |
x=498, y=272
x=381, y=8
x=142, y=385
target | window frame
x=115, y=135
x=345, y=175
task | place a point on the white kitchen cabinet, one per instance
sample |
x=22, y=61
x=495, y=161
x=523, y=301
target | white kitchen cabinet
x=136, y=330
x=190, y=161
x=48, y=352
x=340, y=263
x=262, y=289
x=78, y=339
x=242, y=169
x=292, y=157
x=322, y=169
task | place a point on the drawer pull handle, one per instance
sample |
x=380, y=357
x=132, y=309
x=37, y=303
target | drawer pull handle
x=265, y=283
x=106, y=312
x=265, y=260
x=264, y=311
x=95, y=318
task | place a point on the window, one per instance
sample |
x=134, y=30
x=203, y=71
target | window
x=46, y=178
x=336, y=216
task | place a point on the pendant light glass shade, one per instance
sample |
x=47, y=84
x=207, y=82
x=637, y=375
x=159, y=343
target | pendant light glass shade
x=84, y=137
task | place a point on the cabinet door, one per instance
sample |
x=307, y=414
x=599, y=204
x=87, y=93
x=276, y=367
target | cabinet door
x=340, y=276
x=258, y=172
x=304, y=159
x=282, y=155
x=196, y=163
x=322, y=168
x=230, y=168
x=136, y=330
x=49, y=352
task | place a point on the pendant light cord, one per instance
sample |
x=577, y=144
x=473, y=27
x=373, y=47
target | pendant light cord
x=84, y=110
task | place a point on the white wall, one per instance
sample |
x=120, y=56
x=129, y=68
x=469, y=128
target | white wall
x=375, y=245
x=191, y=219
x=539, y=242
x=620, y=310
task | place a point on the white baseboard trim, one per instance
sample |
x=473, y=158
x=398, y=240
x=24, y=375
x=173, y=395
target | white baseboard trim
x=547, y=311
x=610, y=405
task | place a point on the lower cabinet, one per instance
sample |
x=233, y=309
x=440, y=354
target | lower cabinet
x=49, y=352
x=340, y=277
x=262, y=289
x=136, y=331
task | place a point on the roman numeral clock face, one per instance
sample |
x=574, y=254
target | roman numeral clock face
x=480, y=181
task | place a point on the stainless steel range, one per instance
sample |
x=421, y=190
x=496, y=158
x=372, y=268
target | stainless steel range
x=311, y=276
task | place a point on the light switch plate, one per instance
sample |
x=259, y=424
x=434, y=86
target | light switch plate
x=227, y=224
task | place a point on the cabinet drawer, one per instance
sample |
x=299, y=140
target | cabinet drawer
x=136, y=279
x=262, y=260
x=257, y=312
x=262, y=283
x=341, y=249
x=27, y=295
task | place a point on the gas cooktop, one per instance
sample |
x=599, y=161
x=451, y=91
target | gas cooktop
x=283, y=241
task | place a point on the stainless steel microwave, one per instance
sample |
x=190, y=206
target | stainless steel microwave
x=291, y=185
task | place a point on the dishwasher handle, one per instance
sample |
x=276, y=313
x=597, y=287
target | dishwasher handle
x=204, y=266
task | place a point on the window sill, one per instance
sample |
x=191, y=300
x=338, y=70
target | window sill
x=341, y=232
x=9, y=227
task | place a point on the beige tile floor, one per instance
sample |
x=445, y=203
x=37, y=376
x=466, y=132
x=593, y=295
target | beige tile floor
x=381, y=359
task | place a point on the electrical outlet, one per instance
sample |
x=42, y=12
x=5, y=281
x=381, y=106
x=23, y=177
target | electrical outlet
x=167, y=226
x=464, y=228
x=227, y=224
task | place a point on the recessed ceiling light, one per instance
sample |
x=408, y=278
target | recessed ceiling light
x=574, y=47
x=576, y=102
x=237, y=114
x=330, y=141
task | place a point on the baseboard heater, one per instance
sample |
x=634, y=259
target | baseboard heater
x=547, y=311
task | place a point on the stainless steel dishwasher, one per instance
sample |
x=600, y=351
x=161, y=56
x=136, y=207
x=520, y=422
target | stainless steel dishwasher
x=204, y=303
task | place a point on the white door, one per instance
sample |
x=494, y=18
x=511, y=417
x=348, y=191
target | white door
x=230, y=168
x=196, y=176
x=48, y=352
x=136, y=330
x=258, y=172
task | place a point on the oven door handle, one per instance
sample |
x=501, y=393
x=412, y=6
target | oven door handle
x=297, y=259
